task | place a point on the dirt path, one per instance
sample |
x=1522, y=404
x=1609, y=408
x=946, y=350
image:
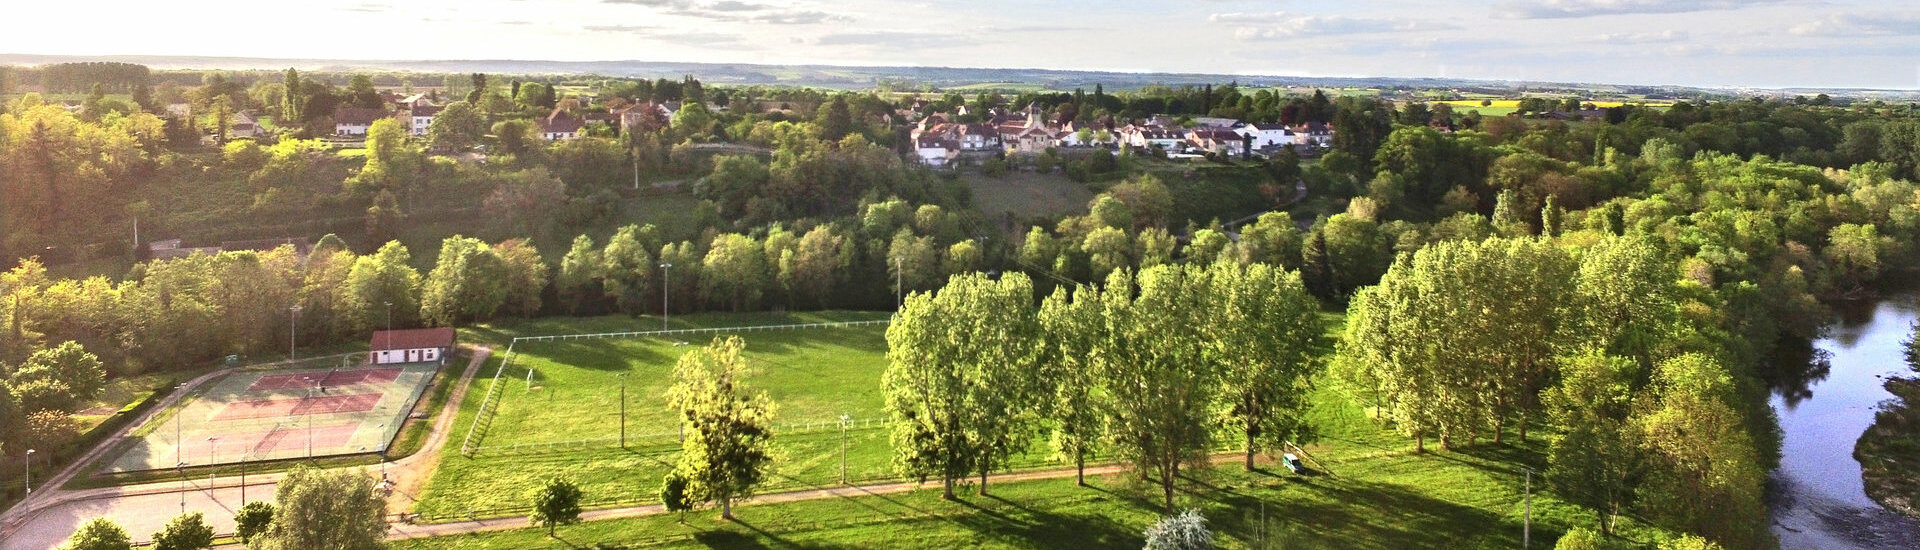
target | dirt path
x=410, y=474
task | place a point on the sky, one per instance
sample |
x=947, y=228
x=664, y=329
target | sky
x=1738, y=43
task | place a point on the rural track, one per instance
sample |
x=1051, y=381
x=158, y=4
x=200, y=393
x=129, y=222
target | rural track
x=409, y=472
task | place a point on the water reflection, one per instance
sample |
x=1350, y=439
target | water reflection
x=1826, y=394
x=1796, y=366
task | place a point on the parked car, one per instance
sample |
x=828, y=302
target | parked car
x=1293, y=463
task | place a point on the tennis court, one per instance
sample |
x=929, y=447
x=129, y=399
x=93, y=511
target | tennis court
x=269, y=415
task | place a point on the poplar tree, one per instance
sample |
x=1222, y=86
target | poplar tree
x=728, y=427
x=1074, y=330
x=962, y=378
x=1153, y=360
x=1263, y=335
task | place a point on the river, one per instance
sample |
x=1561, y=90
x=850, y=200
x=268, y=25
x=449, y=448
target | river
x=1819, y=501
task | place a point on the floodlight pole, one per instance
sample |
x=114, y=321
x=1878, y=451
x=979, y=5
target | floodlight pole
x=293, y=332
x=243, y=477
x=899, y=297
x=843, y=448
x=29, y=474
x=666, y=276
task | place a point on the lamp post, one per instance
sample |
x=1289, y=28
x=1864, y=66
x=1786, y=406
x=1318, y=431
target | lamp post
x=666, y=277
x=212, y=444
x=382, y=428
x=182, y=469
x=243, y=477
x=29, y=474
x=316, y=384
x=293, y=332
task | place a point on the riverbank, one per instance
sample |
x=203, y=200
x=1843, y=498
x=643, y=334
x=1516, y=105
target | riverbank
x=1889, y=451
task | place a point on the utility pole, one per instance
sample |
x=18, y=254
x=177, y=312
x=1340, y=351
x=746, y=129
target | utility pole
x=666, y=282
x=1526, y=525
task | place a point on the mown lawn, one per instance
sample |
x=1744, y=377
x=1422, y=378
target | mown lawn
x=567, y=420
x=1369, y=490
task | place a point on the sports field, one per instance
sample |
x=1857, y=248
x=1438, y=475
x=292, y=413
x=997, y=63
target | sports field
x=279, y=414
x=566, y=421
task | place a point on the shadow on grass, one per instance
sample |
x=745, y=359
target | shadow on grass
x=1029, y=527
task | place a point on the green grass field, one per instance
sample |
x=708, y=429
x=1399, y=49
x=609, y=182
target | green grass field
x=567, y=422
x=1027, y=194
x=1372, y=491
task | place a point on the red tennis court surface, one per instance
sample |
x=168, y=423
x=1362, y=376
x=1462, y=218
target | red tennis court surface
x=290, y=439
x=298, y=406
x=281, y=382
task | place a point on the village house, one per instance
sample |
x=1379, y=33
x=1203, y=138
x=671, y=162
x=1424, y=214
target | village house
x=244, y=126
x=560, y=125
x=1313, y=134
x=977, y=137
x=633, y=115
x=1218, y=140
x=1268, y=135
x=354, y=121
x=422, y=116
x=1148, y=137
x=936, y=151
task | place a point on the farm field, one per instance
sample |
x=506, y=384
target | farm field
x=567, y=420
x=277, y=414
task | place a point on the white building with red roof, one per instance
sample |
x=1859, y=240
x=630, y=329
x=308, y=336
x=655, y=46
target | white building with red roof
x=421, y=345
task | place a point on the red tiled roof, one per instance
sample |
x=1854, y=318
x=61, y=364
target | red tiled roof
x=419, y=338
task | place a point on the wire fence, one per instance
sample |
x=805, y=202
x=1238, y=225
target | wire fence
x=483, y=419
x=696, y=331
x=670, y=440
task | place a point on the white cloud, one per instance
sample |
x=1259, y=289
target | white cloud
x=1663, y=37
x=739, y=11
x=891, y=39
x=1556, y=9
x=1246, y=17
x=1855, y=24
x=1312, y=25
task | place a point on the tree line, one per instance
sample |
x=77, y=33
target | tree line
x=1152, y=367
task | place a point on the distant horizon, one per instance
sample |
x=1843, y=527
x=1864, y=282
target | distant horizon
x=1765, y=44
x=185, y=63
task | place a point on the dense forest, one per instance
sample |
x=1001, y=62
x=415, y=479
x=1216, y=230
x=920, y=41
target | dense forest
x=1630, y=283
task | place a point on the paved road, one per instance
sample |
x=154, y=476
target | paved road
x=144, y=509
